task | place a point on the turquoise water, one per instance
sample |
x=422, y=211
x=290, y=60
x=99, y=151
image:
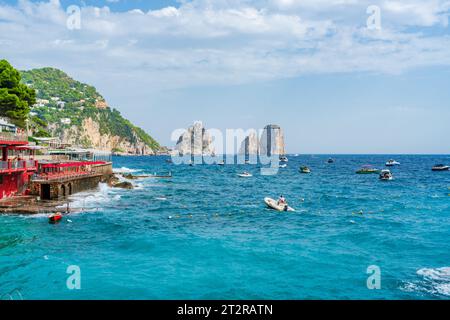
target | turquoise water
x=222, y=243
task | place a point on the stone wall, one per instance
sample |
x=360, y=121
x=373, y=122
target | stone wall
x=50, y=190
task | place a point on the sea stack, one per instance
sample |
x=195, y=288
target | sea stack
x=250, y=145
x=195, y=141
x=272, y=141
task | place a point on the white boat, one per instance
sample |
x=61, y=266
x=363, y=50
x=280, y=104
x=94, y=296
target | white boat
x=386, y=175
x=245, y=175
x=440, y=167
x=284, y=159
x=392, y=163
x=273, y=204
x=283, y=165
x=221, y=163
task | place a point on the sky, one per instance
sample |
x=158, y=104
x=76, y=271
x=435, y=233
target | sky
x=335, y=77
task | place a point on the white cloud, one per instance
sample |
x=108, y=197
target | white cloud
x=225, y=42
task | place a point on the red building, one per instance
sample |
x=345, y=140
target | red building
x=17, y=164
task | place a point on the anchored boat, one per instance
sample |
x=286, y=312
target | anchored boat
x=392, y=163
x=305, y=169
x=367, y=169
x=245, y=175
x=440, y=167
x=386, y=175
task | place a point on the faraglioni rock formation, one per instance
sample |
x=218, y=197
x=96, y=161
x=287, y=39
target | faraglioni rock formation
x=250, y=145
x=195, y=141
x=271, y=142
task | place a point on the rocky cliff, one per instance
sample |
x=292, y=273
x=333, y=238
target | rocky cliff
x=89, y=135
x=270, y=142
x=195, y=141
x=78, y=115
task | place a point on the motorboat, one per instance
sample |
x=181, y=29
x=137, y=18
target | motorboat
x=283, y=165
x=330, y=160
x=440, y=167
x=284, y=159
x=392, y=163
x=221, y=163
x=386, y=175
x=305, y=169
x=367, y=170
x=273, y=204
x=245, y=175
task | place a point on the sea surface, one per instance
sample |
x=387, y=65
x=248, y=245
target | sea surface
x=206, y=234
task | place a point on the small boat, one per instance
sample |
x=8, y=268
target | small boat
x=386, y=175
x=330, y=160
x=305, y=169
x=273, y=204
x=55, y=217
x=247, y=161
x=440, y=167
x=221, y=163
x=392, y=163
x=245, y=175
x=284, y=159
x=367, y=170
x=283, y=165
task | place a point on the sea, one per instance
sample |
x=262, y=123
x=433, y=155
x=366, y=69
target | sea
x=207, y=234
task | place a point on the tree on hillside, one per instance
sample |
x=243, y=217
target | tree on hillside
x=15, y=97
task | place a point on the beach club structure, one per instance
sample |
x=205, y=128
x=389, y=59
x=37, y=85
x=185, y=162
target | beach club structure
x=21, y=174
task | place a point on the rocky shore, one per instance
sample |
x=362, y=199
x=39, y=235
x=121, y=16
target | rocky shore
x=29, y=205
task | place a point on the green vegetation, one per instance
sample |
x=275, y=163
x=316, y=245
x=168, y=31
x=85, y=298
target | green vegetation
x=61, y=97
x=15, y=98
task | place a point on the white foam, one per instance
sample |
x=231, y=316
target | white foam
x=435, y=281
x=125, y=170
x=94, y=199
x=440, y=274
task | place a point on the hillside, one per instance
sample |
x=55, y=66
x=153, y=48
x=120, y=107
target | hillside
x=77, y=114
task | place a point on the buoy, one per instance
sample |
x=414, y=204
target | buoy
x=55, y=218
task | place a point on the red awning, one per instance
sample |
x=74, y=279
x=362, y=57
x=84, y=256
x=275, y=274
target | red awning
x=71, y=164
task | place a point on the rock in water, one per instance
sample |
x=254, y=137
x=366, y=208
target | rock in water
x=270, y=143
x=195, y=141
x=124, y=185
x=250, y=145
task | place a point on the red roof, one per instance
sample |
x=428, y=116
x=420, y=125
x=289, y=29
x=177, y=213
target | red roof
x=71, y=164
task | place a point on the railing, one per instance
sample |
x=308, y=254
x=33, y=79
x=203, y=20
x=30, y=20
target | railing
x=63, y=176
x=17, y=165
x=31, y=164
x=11, y=136
x=4, y=165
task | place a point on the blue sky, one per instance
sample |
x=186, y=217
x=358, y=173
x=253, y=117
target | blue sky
x=313, y=67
